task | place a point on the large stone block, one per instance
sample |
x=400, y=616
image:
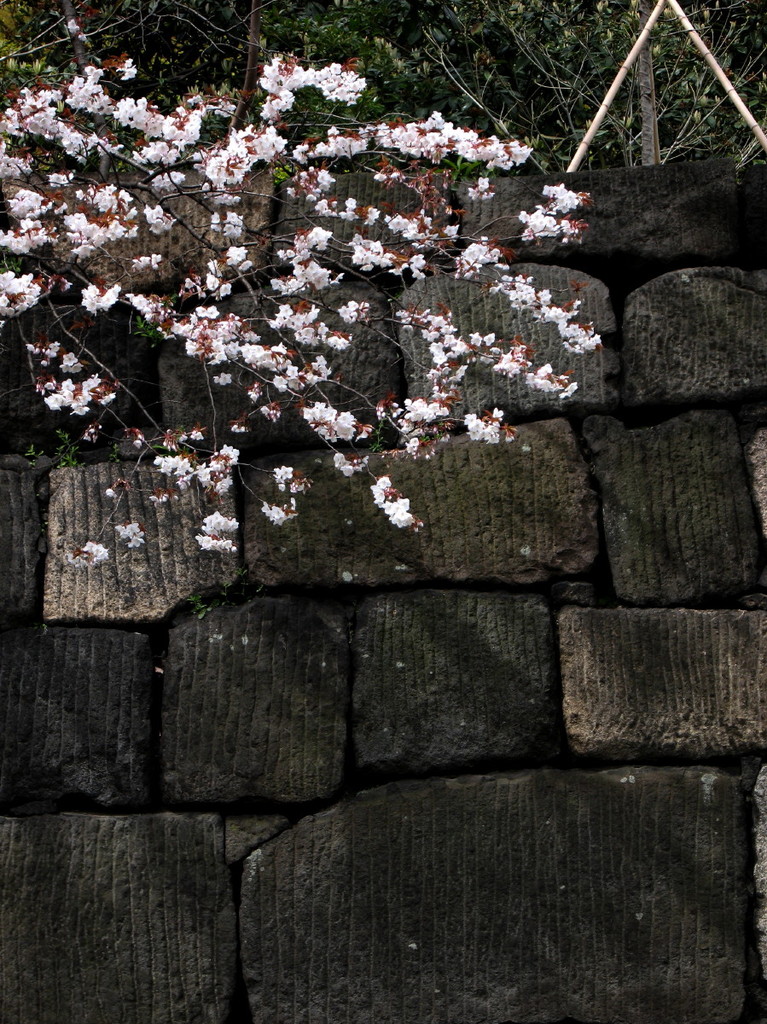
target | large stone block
x=667, y=214
x=679, y=523
x=760, y=865
x=364, y=374
x=753, y=214
x=476, y=310
x=696, y=335
x=20, y=528
x=657, y=683
x=513, y=513
x=445, y=679
x=254, y=703
x=756, y=456
x=144, y=584
x=601, y=896
x=25, y=419
x=244, y=832
x=128, y=920
x=74, y=715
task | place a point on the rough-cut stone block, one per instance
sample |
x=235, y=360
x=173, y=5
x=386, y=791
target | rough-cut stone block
x=24, y=417
x=445, y=679
x=476, y=310
x=655, y=683
x=244, y=832
x=511, y=513
x=600, y=896
x=678, y=519
x=760, y=866
x=254, y=702
x=19, y=538
x=142, y=584
x=756, y=456
x=573, y=592
x=668, y=214
x=753, y=214
x=188, y=244
x=121, y=919
x=696, y=335
x=366, y=372
x=296, y=214
x=74, y=715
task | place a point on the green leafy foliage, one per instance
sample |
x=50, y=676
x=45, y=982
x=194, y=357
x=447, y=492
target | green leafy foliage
x=230, y=594
x=177, y=48
x=539, y=69
x=66, y=453
x=148, y=331
x=535, y=69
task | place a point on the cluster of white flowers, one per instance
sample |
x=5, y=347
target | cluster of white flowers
x=96, y=299
x=77, y=396
x=291, y=479
x=18, y=292
x=281, y=79
x=352, y=312
x=483, y=189
x=228, y=163
x=214, y=530
x=329, y=423
x=348, y=465
x=132, y=533
x=470, y=261
x=548, y=220
x=394, y=504
x=214, y=474
x=91, y=553
x=544, y=379
x=279, y=514
x=519, y=290
x=146, y=262
x=435, y=138
x=312, y=183
x=489, y=427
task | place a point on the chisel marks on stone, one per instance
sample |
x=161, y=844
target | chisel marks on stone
x=652, y=683
x=512, y=513
x=254, y=702
x=445, y=679
x=122, y=919
x=142, y=584
x=74, y=715
x=679, y=523
x=539, y=895
x=19, y=537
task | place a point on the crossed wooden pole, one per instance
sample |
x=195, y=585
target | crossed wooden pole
x=637, y=48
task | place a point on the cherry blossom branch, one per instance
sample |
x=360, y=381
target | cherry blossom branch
x=48, y=208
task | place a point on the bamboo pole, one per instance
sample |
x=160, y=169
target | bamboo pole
x=613, y=90
x=650, y=138
x=729, y=88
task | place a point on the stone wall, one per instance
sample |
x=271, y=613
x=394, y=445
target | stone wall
x=503, y=770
